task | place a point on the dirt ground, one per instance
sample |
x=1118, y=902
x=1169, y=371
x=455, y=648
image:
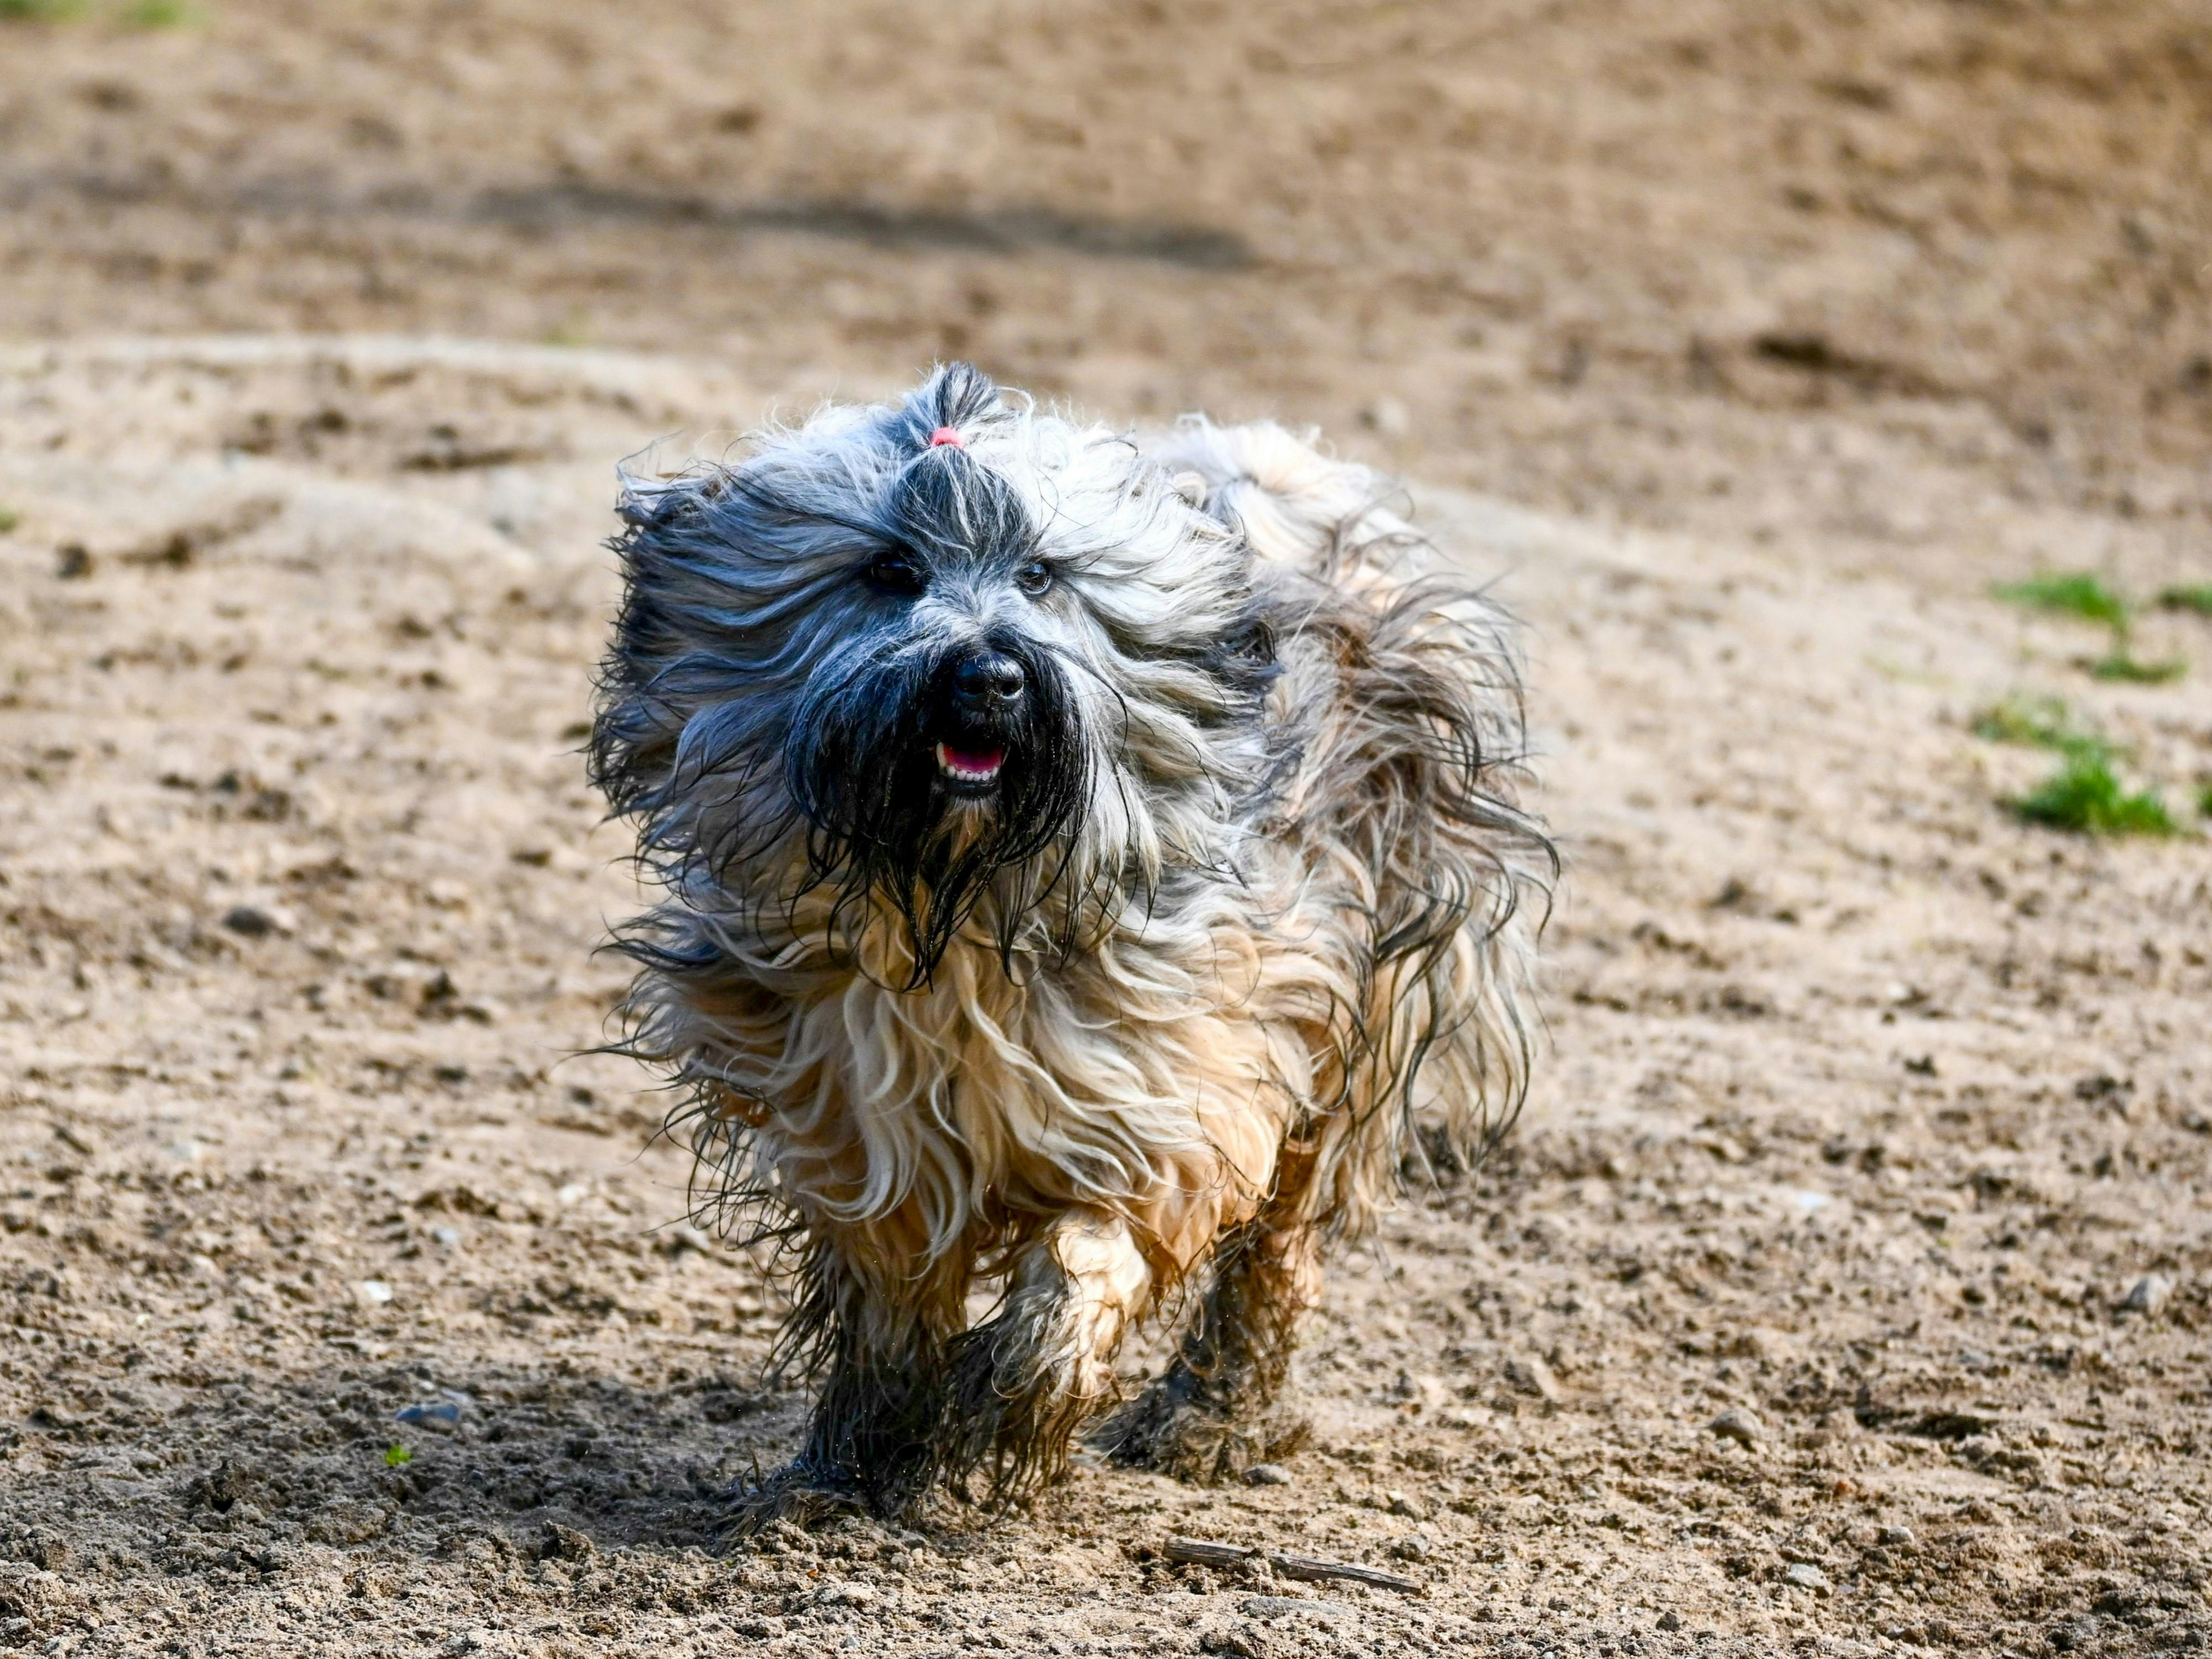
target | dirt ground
x=1847, y=1285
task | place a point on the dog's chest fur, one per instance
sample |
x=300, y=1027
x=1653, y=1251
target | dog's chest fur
x=982, y=1097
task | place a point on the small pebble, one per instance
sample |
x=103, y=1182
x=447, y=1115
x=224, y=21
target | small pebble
x=447, y=1236
x=845, y=1594
x=1901, y=1536
x=442, y=1410
x=375, y=1291
x=1670, y=1620
x=1805, y=1575
x=1739, y=1424
x=2075, y=1633
x=1411, y=1508
x=1530, y=1376
x=1266, y=1474
x=1413, y=1547
x=251, y=920
x=2149, y=1293
x=565, y=1543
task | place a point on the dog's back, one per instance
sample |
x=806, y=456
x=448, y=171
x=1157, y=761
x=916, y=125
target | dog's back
x=1398, y=718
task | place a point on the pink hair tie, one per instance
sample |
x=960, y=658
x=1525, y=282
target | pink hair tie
x=945, y=434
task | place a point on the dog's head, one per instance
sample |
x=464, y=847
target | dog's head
x=925, y=663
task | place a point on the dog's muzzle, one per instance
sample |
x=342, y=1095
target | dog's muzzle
x=984, y=705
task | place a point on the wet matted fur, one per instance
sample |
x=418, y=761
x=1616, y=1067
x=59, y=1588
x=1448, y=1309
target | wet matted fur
x=1086, y=864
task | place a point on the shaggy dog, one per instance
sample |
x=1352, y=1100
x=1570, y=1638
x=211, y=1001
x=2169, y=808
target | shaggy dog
x=1092, y=871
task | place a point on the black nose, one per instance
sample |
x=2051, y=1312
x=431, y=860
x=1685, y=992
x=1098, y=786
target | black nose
x=989, y=681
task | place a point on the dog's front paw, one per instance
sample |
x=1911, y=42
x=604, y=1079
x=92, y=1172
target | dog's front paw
x=1009, y=1414
x=801, y=1493
x=1177, y=1428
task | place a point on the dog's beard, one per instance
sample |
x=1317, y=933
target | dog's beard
x=911, y=805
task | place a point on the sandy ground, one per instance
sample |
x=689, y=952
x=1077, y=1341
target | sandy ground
x=1748, y=346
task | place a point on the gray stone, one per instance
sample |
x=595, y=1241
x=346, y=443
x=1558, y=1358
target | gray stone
x=1530, y=1376
x=2148, y=1294
x=1267, y=1474
x=1805, y=1575
x=1739, y=1424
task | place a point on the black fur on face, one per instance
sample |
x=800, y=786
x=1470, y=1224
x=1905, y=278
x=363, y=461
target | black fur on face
x=883, y=817
x=788, y=707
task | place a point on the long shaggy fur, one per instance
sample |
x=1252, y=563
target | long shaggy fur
x=1249, y=897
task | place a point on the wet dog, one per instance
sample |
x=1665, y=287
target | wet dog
x=1092, y=871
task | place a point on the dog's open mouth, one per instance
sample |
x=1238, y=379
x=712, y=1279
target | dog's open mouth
x=969, y=768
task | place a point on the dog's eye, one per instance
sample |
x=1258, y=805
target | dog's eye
x=895, y=573
x=1034, y=577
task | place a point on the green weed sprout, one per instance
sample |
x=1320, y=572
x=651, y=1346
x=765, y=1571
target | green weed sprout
x=396, y=1457
x=2197, y=599
x=2079, y=594
x=2036, y=723
x=2083, y=796
x=2120, y=665
x=9, y=517
x=133, y=14
x=2082, y=594
x=159, y=13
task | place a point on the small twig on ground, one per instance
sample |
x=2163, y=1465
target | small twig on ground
x=1204, y=1552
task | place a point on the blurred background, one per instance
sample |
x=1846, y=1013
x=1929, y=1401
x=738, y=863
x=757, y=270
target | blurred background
x=1636, y=258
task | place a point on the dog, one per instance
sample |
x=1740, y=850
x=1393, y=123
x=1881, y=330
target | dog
x=1093, y=872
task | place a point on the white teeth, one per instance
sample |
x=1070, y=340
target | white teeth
x=953, y=768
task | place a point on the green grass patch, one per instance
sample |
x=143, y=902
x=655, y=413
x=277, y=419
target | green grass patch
x=2197, y=599
x=398, y=1458
x=2040, y=723
x=2083, y=796
x=8, y=520
x=2204, y=798
x=2079, y=594
x=2122, y=666
x=132, y=14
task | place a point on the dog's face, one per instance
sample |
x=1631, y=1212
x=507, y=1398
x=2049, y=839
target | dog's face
x=929, y=660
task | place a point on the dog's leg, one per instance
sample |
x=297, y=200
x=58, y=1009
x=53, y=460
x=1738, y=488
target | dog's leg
x=1024, y=1381
x=1219, y=1408
x=878, y=1344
